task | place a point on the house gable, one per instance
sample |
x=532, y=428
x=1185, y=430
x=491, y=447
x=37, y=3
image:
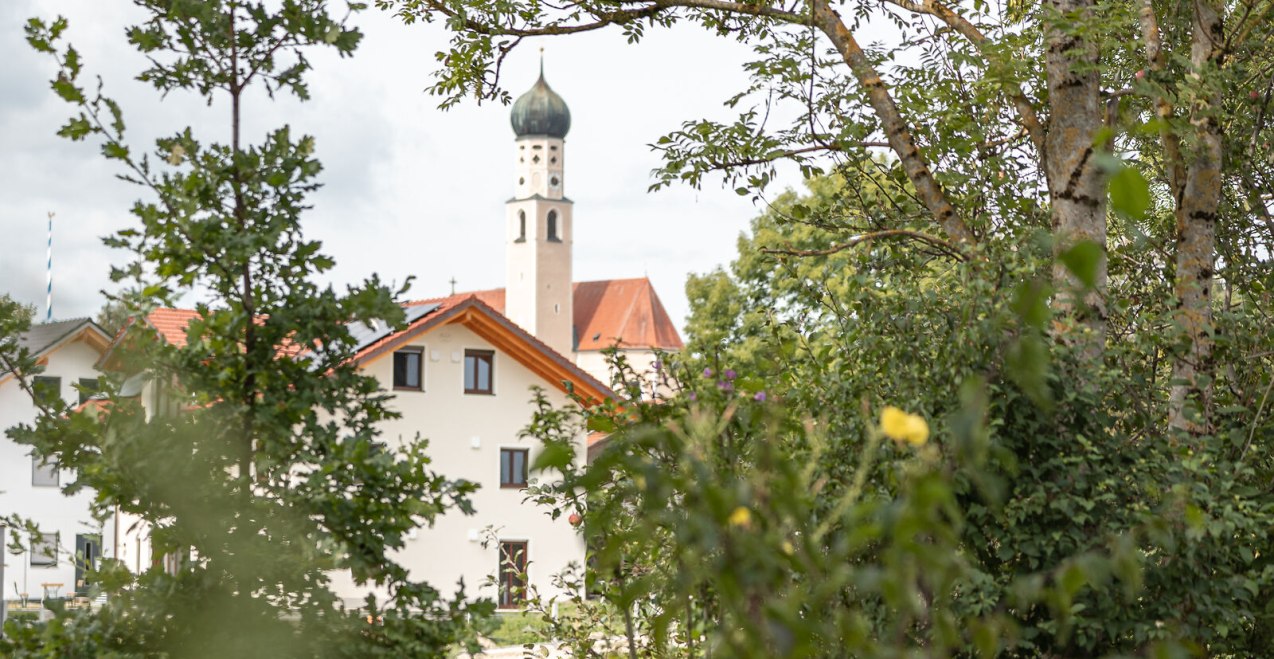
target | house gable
x=47, y=339
x=487, y=323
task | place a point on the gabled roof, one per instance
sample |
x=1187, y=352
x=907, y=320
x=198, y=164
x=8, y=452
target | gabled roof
x=43, y=339
x=623, y=311
x=467, y=309
x=45, y=336
x=470, y=310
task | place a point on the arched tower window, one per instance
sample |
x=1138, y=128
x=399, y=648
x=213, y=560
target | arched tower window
x=521, y=226
x=553, y=226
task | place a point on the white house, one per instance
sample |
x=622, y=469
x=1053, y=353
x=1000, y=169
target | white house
x=69, y=536
x=462, y=371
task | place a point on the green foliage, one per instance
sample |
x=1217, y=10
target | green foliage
x=253, y=459
x=16, y=312
x=1050, y=514
x=1058, y=513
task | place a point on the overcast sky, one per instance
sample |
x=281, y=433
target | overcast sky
x=409, y=189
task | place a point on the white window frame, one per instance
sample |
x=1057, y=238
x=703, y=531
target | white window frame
x=50, y=470
x=38, y=543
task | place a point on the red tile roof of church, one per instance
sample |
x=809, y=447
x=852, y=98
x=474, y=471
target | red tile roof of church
x=606, y=311
x=627, y=311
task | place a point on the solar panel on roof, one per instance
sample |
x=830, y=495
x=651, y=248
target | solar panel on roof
x=365, y=335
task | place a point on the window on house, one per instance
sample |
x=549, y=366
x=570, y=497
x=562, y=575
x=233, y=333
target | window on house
x=513, y=467
x=44, y=474
x=477, y=371
x=512, y=574
x=521, y=226
x=88, y=387
x=407, y=369
x=553, y=226
x=44, y=550
x=47, y=389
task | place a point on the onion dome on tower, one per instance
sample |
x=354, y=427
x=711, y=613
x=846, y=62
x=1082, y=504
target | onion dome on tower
x=541, y=111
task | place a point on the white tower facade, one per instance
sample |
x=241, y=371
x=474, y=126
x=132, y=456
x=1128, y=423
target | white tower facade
x=539, y=222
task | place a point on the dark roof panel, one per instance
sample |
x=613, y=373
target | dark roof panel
x=44, y=335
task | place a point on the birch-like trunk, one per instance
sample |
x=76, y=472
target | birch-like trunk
x=1196, y=215
x=897, y=132
x=1076, y=184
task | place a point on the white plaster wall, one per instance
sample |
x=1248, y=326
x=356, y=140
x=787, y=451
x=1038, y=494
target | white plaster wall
x=539, y=295
x=126, y=536
x=532, y=177
x=641, y=360
x=46, y=506
x=466, y=433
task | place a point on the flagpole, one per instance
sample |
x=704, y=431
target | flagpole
x=48, y=300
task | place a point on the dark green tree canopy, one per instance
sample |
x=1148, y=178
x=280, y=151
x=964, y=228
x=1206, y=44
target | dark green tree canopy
x=254, y=461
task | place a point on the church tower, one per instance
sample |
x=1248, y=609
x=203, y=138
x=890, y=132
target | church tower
x=538, y=291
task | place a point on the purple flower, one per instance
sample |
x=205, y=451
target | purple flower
x=658, y=365
x=725, y=385
x=730, y=374
x=694, y=396
x=707, y=372
x=759, y=397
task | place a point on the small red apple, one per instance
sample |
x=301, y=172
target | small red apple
x=1140, y=74
x=575, y=519
x=1254, y=94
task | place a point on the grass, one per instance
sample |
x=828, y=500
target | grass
x=517, y=628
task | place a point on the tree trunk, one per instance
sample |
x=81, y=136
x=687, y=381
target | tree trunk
x=1076, y=184
x=1196, y=215
x=897, y=132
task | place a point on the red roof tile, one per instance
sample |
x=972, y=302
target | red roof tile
x=171, y=324
x=627, y=311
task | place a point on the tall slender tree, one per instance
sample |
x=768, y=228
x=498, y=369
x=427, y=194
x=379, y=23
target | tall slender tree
x=253, y=462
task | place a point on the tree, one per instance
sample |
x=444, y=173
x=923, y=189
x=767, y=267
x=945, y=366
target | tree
x=21, y=313
x=113, y=316
x=255, y=460
x=1001, y=119
x=1046, y=231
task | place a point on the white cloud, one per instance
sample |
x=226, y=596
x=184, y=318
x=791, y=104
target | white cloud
x=409, y=190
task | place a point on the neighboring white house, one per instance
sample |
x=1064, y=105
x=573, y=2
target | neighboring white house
x=462, y=372
x=68, y=350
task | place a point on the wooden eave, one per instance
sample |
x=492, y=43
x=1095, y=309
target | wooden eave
x=500, y=332
x=90, y=333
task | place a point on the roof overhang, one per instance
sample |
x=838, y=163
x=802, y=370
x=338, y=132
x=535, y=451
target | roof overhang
x=503, y=334
x=89, y=332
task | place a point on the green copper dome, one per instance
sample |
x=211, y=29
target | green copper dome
x=540, y=111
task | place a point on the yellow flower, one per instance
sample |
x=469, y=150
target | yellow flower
x=903, y=427
x=741, y=517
